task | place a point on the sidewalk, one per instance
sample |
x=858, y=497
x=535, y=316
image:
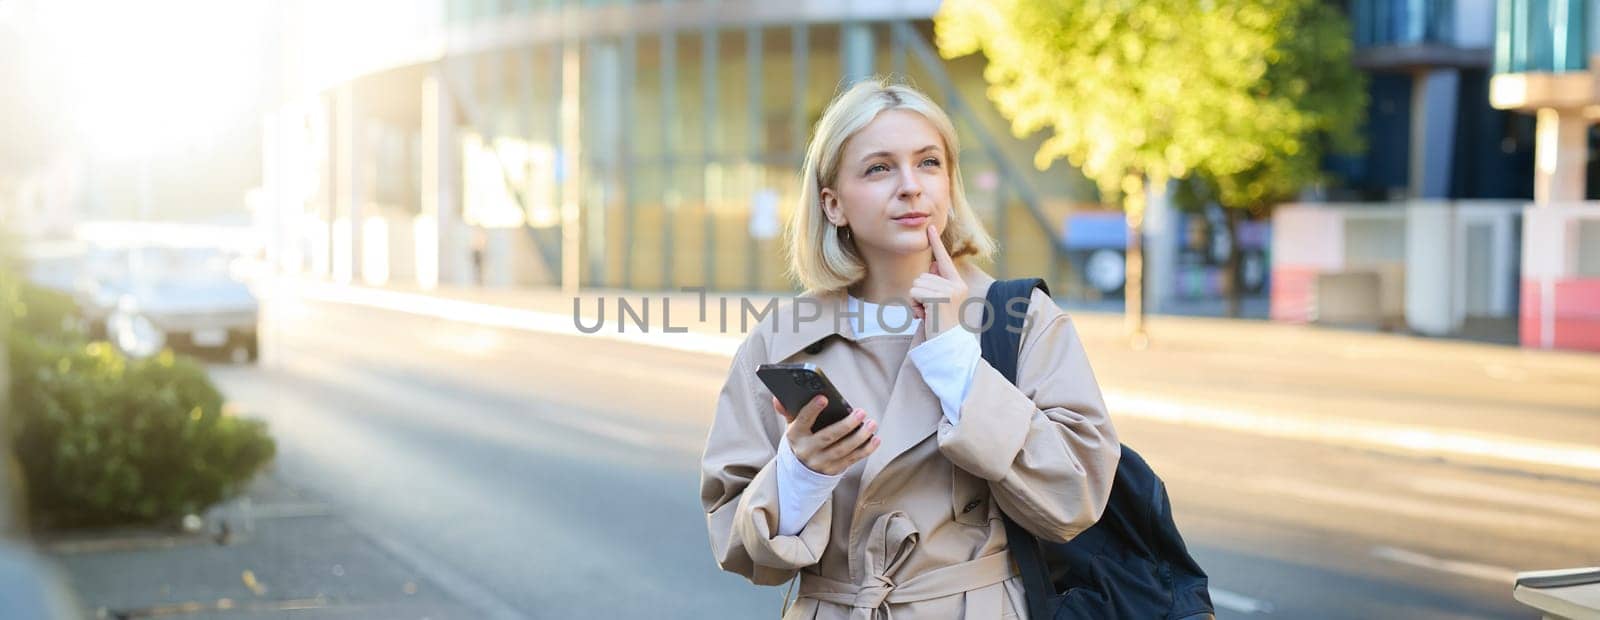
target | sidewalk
x=1480, y=403
x=285, y=555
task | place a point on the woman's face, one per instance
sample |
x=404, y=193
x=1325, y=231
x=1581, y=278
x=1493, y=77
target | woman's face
x=892, y=182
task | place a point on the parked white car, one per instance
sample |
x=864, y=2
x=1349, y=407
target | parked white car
x=183, y=297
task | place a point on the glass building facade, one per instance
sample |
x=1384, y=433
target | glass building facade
x=1402, y=22
x=1431, y=131
x=1544, y=36
x=693, y=120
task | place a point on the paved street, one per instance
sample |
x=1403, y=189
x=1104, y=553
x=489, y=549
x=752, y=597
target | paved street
x=283, y=555
x=549, y=476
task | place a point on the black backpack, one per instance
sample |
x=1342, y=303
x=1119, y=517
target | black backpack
x=1132, y=563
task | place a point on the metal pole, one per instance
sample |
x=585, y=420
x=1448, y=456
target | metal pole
x=630, y=55
x=708, y=120
x=799, y=50
x=669, y=144
x=752, y=58
x=571, y=158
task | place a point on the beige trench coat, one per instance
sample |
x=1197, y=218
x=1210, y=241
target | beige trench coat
x=915, y=530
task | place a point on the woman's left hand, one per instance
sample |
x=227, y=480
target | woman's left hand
x=940, y=292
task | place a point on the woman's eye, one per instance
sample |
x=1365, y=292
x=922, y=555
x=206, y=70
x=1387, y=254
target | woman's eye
x=876, y=168
x=931, y=161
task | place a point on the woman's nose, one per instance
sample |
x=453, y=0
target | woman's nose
x=909, y=188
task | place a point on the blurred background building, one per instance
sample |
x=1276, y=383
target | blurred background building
x=656, y=144
x=1545, y=64
x=641, y=145
x=1476, y=107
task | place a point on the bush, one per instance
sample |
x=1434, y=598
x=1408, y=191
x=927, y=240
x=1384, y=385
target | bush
x=46, y=315
x=103, y=439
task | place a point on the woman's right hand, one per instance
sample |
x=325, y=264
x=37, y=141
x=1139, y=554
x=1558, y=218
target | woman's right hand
x=837, y=446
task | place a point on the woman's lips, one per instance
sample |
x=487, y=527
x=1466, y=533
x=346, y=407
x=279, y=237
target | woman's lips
x=912, y=221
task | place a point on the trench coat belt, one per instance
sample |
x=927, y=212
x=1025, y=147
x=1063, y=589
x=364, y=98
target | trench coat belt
x=888, y=545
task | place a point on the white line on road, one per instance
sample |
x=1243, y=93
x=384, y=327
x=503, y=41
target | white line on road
x=1407, y=439
x=1238, y=603
x=511, y=318
x=1416, y=508
x=1486, y=572
x=615, y=431
x=1547, y=502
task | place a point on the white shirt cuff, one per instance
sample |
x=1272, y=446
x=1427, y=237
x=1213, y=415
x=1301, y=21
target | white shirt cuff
x=947, y=362
x=800, y=491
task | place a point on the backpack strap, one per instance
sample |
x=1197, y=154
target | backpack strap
x=1002, y=343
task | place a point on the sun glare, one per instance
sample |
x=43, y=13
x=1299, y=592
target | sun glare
x=144, y=77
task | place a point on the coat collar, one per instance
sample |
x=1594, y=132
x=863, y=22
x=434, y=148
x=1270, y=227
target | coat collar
x=917, y=409
x=808, y=320
x=918, y=412
x=794, y=329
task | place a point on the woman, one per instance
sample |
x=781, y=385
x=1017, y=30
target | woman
x=888, y=511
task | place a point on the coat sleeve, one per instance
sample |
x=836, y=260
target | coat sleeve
x=1046, y=444
x=739, y=484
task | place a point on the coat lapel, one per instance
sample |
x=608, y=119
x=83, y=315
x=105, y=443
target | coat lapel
x=915, y=409
x=910, y=415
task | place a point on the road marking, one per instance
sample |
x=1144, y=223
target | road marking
x=1238, y=603
x=1406, y=439
x=1486, y=572
x=483, y=426
x=1424, y=510
x=511, y=318
x=1505, y=373
x=1551, y=502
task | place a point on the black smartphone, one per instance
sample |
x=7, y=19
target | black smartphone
x=796, y=384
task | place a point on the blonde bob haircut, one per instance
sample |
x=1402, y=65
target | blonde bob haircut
x=823, y=258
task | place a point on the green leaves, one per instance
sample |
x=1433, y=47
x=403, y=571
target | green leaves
x=1251, y=94
x=41, y=313
x=102, y=439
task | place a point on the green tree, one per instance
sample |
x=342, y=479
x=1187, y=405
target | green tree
x=1135, y=93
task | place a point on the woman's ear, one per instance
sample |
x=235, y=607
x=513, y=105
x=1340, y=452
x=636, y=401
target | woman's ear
x=831, y=208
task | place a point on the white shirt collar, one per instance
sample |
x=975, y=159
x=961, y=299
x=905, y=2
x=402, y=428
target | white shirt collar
x=897, y=319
